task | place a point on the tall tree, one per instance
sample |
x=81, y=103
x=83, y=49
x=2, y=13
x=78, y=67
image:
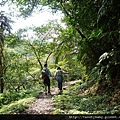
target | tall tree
x=4, y=27
x=46, y=34
x=97, y=22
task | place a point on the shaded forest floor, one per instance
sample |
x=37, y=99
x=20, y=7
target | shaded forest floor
x=78, y=97
x=44, y=103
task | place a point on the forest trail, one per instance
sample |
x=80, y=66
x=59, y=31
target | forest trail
x=43, y=103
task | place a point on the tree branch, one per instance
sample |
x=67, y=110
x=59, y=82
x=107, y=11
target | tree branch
x=80, y=32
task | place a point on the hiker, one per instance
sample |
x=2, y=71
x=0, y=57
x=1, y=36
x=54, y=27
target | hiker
x=59, y=78
x=46, y=79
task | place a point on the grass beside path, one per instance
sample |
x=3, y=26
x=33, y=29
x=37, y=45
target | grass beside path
x=78, y=99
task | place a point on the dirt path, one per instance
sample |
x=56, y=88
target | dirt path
x=43, y=103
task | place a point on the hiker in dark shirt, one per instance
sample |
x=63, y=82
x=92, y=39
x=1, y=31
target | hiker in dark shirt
x=46, y=79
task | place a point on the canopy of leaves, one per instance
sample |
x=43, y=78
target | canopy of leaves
x=97, y=23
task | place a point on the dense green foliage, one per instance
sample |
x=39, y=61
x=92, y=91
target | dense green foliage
x=80, y=99
x=97, y=23
x=88, y=47
x=16, y=102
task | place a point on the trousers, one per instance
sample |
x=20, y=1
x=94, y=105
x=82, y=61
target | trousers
x=59, y=80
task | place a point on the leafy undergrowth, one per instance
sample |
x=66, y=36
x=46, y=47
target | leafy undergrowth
x=82, y=99
x=16, y=102
x=17, y=106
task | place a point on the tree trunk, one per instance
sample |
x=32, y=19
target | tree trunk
x=1, y=66
x=1, y=84
x=48, y=57
x=80, y=32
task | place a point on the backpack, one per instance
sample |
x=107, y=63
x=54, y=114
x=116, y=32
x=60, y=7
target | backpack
x=45, y=78
x=43, y=74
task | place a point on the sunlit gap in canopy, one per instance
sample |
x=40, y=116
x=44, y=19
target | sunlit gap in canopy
x=37, y=20
x=29, y=34
x=40, y=16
